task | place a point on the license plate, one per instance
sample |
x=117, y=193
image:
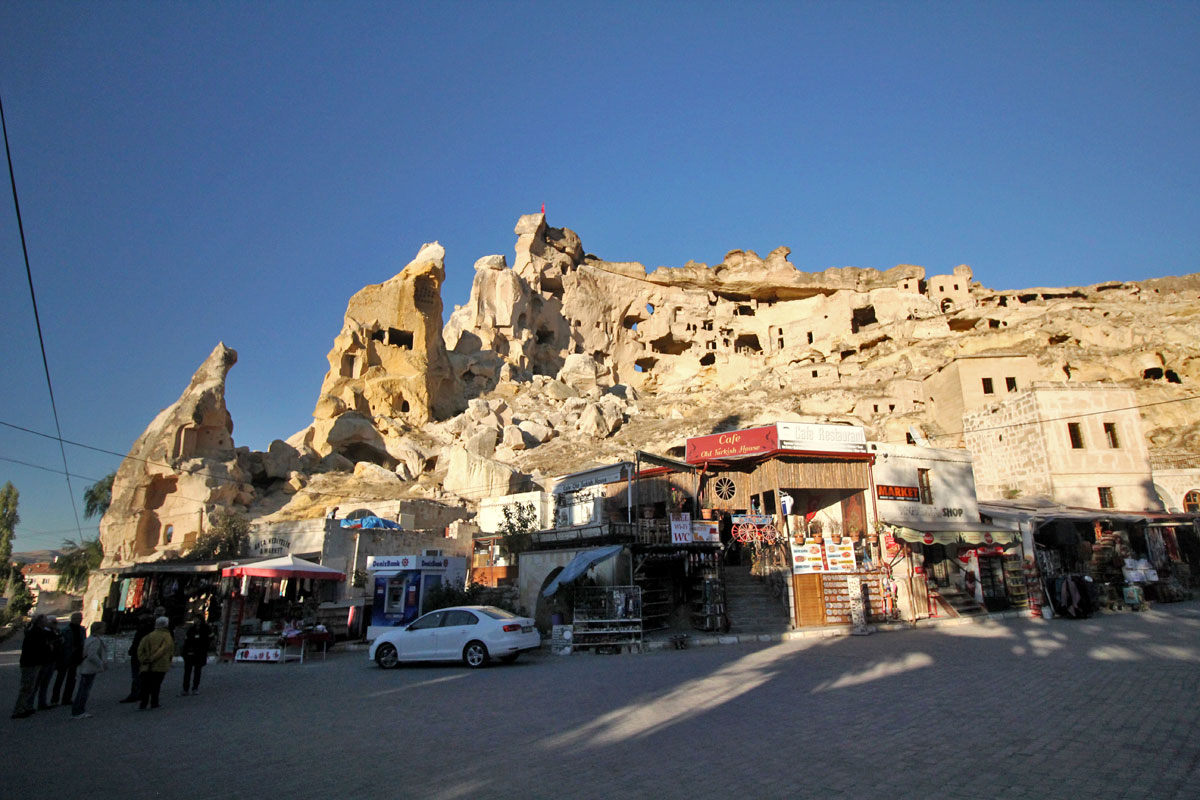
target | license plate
x=526, y=629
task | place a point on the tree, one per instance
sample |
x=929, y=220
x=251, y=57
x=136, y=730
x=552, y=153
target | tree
x=229, y=537
x=77, y=563
x=520, y=521
x=8, y=526
x=19, y=602
x=98, y=497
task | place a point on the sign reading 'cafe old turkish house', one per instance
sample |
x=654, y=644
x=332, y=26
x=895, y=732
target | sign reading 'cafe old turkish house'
x=805, y=436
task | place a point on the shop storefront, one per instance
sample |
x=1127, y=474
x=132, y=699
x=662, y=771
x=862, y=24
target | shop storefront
x=271, y=604
x=182, y=589
x=793, y=504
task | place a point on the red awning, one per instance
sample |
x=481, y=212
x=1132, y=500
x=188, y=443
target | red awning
x=283, y=567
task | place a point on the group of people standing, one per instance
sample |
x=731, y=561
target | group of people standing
x=74, y=657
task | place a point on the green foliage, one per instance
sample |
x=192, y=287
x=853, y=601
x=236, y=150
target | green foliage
x=520, y=521
x=229, y=537
x=77, y=563
x=98, y=497
x=8, y=526
x=476, y=594
x=19, y=603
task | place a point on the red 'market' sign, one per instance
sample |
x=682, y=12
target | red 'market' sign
x=734, y=444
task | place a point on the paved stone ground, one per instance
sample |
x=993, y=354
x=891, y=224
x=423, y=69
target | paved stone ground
x=1102, y=708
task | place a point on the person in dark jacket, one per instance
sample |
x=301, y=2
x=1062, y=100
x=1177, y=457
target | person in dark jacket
x=57, y=661
x=195, y=653
x=73, y=638
x=36, y=652
x=145, y=626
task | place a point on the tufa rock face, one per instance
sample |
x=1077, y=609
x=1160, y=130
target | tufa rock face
x=388, y=368
x=179, y=470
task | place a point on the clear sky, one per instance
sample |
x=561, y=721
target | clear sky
x=191, y=173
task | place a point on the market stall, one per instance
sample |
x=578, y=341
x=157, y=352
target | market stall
x=270, y=608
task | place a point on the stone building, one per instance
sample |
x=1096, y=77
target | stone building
x=1078, y=445
x=970, y=382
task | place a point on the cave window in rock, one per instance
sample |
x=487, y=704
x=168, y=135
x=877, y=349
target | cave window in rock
x=747, y=343
x=630, y=322
x=987, y=386
x=349, y=365
x=360, y=451
x=993, y=323
x=644, y=364
x=168, y=534
x=707, y=325
x=1172, y=377
x=862, y=317
x=814, y=373
x=707, y=360
x=743, y=311
x=669, y=345
x=1010, y=384
x=947, y=304
x=545, y=336
x=810, y=337
x=649, y=308
x=393, y=337
x=404, y=407
x=711, y=344
x=185, y=442
x=678, y=451
x=425, y=294
x=1152, y=374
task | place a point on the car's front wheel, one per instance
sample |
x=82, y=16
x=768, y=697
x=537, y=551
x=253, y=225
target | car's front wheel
x=475, y=654
x=387, y=657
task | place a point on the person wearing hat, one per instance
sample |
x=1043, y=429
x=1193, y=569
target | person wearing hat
x=155, y=653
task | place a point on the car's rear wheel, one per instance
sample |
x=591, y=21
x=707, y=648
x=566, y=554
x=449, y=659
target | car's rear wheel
x=387, y=657
x=508, y=659
x=475, y=654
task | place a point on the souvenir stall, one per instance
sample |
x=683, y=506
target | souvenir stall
x=183, y=589
x=270, y=608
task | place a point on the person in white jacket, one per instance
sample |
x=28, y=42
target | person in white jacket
x=95, y=661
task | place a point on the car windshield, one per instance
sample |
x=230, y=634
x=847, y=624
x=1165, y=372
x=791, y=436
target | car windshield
x=497, y=613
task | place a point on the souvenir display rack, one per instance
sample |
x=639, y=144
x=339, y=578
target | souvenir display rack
x=608, y=618
x=706, y=591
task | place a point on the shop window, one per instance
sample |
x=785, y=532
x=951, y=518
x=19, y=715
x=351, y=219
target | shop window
x=987, y=386
x=1106, y=496
x=1076, y=434
x=1191, y=502
x=1110, y=433
x=1010, y=384
x=925, y=485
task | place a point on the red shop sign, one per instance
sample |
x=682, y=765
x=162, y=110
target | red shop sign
x=927, y=538
x=734, y=444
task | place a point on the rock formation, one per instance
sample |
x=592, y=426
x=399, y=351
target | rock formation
x=181, y=469
x=564, y=360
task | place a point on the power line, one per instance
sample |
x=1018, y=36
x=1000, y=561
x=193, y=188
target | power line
x=1065, y=418
x=12, y=179
x=44, y=469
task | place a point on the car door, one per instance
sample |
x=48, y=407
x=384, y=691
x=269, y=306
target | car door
x=458, y=627
x=418, y=642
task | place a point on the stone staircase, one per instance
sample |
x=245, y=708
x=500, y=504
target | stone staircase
x=750, y=606
x=963, y=604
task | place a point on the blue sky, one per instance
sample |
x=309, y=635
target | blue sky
x=199, y=172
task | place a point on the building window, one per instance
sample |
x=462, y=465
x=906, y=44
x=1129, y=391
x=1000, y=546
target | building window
x=1110, y=432
x=1010, y=384
x=987, y=386
x=925, y=488
x=168, y=534
x=1076, y=434
x=1106, y=498
x=1191, y=502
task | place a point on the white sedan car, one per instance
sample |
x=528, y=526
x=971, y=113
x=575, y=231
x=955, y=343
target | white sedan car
x=474, y=634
